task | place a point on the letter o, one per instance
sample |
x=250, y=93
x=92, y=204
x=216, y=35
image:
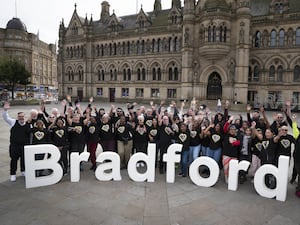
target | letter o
x=214, y=172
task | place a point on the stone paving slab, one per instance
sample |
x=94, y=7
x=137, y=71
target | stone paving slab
x=93, y=202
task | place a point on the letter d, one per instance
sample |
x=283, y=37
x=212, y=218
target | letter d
x=149, y=159
x=281, y=174
x=50, y=163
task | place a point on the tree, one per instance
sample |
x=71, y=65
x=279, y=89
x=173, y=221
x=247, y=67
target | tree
x=13, y=72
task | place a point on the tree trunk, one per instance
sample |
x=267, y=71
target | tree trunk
x=12, y=91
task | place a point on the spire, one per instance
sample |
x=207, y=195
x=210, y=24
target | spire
x=16, y=12
x=91, y=20
x=104, y=17
x=86, y=20
x=176, y=3
x=157, y=6
x=75, y=7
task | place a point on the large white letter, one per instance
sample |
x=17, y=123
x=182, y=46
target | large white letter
x=76, y=159
x=281, y=174
x=213, y=168
x=171, y=158
x=234, y=167
x=149, y=159
x=114, y=166
x=50, y=163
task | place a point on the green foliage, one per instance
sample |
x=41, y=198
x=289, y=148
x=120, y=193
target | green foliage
x=13, y=72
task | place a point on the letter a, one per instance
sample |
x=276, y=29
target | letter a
x=114, y=166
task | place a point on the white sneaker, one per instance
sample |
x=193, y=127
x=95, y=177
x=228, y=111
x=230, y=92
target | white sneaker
x=13, y=178
x=23, y=173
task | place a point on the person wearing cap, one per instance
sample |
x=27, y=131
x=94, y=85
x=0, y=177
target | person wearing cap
x=261, y=122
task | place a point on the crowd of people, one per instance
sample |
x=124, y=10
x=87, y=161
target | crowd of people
x=218, y=135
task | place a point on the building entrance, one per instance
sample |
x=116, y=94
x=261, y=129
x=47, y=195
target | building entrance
x=214, y=87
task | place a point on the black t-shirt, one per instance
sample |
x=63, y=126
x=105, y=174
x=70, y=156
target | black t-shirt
x=92, y=133
x=285, y=145
x=231, y=147
x=256, y=146
x=107, y=131
x=59, y=136
x=184, y=139
x=165, y=135
x=195, y=139
x=124, y=132
x=140, y=136
x=215, y=138
x=268, y=151
x=40, y=136
x=148, y=121
x=77, y=132
x=154, y=133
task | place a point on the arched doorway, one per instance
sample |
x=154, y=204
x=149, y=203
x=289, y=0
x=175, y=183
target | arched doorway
x=214, y=87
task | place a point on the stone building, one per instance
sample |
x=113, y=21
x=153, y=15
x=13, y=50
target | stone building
x=241, y=50
x=40, y=58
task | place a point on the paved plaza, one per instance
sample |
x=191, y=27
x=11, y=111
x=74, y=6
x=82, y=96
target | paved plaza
x=93, y=202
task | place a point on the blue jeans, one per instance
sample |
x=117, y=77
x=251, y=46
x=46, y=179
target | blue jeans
x=184, y=162
x=204, y=150
x=214, y=154
x=194, y=152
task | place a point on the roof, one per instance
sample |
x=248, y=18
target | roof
x=16, y=24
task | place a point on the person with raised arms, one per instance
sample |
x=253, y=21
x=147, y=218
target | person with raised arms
x=19, y=137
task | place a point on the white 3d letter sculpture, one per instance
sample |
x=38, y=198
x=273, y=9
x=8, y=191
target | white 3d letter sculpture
x=114, y=166
x=281, y=174
x=171, y=158
x=149, y=159
x=213, y=168
x=50, y=163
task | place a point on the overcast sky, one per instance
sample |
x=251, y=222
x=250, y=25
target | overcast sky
x=44, y=16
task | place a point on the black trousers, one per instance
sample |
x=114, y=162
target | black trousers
x=16, y=152
x=297, y=167
x=63, y=161
x=162, y=150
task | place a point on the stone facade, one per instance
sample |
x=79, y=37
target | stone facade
x=244, y=51
x=40, y=59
